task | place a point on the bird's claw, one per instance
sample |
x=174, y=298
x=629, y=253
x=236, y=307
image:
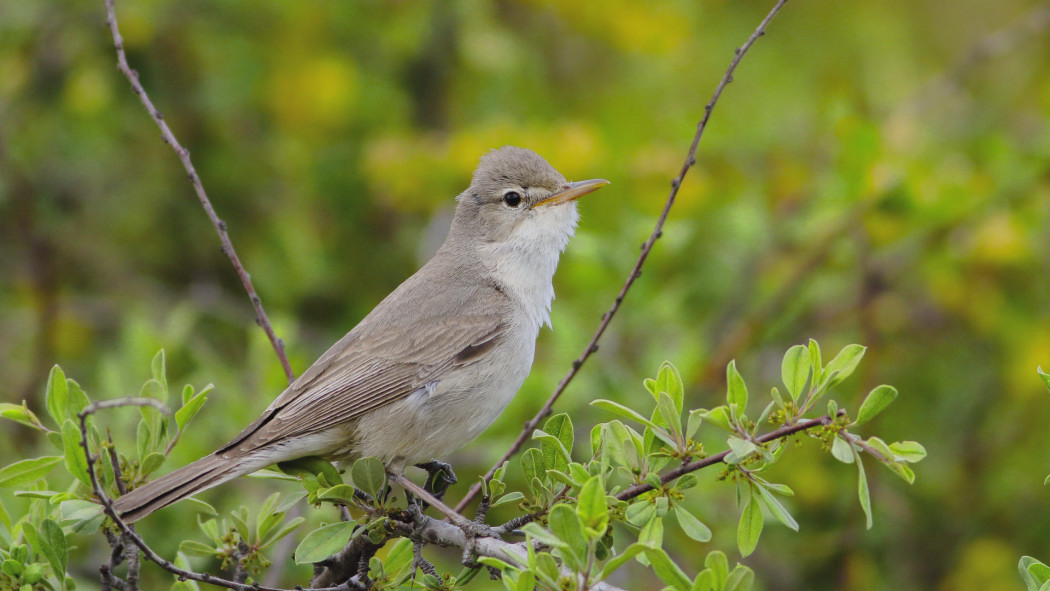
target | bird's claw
x=439, y=477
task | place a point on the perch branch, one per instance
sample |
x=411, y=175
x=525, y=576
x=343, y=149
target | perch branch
x=636, y=271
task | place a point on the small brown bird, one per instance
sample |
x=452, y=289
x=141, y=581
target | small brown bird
x=437, y=360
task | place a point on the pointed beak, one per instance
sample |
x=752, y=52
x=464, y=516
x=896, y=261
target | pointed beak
x=571, y=192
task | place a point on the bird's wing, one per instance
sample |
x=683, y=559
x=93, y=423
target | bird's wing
x=359, y=374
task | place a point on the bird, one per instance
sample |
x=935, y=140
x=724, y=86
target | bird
x=436, y=361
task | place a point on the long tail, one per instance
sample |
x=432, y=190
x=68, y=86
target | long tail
x=203, y=474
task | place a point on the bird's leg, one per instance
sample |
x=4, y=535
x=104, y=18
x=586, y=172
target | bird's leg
x=439, y=477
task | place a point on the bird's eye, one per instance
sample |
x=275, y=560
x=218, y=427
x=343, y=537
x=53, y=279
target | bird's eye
x=512, y=198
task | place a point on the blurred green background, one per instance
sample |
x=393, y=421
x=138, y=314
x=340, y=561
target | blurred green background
x=878, y=173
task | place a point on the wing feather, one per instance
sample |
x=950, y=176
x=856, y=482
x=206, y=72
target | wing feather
x=371, y=368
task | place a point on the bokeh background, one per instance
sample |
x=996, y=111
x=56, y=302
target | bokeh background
x=878, y=173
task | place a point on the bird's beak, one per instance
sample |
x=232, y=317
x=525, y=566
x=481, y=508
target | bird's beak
x=572, y=191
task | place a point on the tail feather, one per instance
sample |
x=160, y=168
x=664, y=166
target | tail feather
x=203, y=474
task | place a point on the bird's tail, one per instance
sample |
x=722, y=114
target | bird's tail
x=203, y=474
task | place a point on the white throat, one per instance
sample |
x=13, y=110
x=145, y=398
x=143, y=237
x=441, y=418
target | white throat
x=525, y=263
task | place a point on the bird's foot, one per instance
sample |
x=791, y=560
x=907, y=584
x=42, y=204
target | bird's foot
x=439, y=477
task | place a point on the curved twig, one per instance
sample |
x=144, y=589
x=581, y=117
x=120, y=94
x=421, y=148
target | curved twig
x=128, y=532
x=184, y=156
x=636, y=271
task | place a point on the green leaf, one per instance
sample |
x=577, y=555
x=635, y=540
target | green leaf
x=670, y=381
x=341, y=493
x=538, y=533
x=718, y=416
x=717, y=562
x=399, y=557
x=369, y=475
x=20, y=414
x=591, y=506
x=567, y=527
x=1045, y=376
x=620, y=559
x=844, y=363
x=794, y=370
x=26, y=471
x=151, y=463
x=841, y=450
x=12, y=568
x=741, y=449
x=692, y=424
x=195, y=548
x=815, y=363
x=862, y=489
x=283, y=531
x=596, y=440
x=671, y=417
x=908, y=451
x=325, y=541
x=750, y=527
x=76, y=461
x=158, y=370
x=877, y=400
x=1034, y=572
x=200, y=506
x=312, y=466
x=508, y=498
x=532, y=464
x=76, y=400
x=736, y=389
x=693, y=527
x=558, y=456
x=667, y=570
x=741, y=578
x=191, y=408
x=776, y=508
x=640, y=513
x=652, y=534
x=56, y=395
x=50, y=542
x=555, y=456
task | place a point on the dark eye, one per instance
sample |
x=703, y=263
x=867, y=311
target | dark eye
x=512, y=198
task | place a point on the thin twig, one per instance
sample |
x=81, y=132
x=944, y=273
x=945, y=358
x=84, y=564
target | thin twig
x=184, y=156
x=636, y=271
x=126, y=530
x=785, y=431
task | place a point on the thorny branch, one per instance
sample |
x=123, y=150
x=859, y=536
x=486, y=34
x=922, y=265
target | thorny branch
x=636, y=271
x=184, y=156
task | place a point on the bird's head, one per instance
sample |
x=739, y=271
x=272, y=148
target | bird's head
x=516, y=197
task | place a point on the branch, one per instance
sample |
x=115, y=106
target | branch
x=126, y=530
x=184, y=156
x=636, y=271
x=785, y=431
x=447, y=534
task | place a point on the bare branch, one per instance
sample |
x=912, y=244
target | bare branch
x=636, y=271
x=184, y=156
